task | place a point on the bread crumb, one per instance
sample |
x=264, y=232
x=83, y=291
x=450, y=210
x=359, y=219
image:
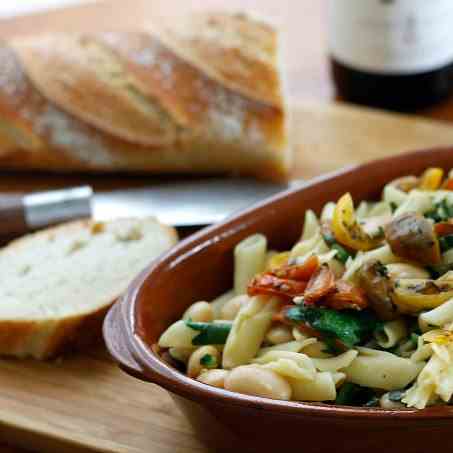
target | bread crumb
x=134, y=233
x=76, y=245
x=24, y=270
x=97, y=227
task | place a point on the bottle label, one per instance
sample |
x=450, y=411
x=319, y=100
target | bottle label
x=392, y=36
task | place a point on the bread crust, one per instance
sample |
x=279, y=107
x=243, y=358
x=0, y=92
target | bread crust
x=48, y=338
x=203, y=97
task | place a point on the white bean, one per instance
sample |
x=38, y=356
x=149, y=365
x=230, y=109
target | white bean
x=279, y=334
x=194, y=365
x=232, y=307
x=258, y=381
x=216, y=377
x=405, y=270
x=199, y=312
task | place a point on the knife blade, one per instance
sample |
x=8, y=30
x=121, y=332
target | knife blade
x=185, y=203
x=180, y=203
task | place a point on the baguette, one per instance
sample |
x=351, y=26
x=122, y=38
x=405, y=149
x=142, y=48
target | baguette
x=201, y=96
x=56, y=285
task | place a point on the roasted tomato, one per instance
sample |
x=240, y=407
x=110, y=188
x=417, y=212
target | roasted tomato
x=448, y=184
x=300, y=272
x=271, y=285
x=286, y=281
x=321, y=283
x=444, y=228
x=346, y=296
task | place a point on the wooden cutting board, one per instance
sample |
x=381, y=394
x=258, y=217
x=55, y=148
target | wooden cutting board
x=85, y=403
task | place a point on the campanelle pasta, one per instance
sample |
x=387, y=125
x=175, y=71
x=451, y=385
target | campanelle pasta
x=358, y=312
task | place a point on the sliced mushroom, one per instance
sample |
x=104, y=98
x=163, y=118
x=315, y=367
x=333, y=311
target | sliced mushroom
x=374, y=280
x=411, y=236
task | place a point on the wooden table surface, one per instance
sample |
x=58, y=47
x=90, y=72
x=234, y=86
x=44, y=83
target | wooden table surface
x=303, y=23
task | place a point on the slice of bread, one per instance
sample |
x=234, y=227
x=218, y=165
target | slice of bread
x=57, y=284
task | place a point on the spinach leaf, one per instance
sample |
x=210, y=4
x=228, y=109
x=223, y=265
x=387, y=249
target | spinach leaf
x=210, y=332
x=446, y=242
x=349, y=326
x=342, y=254
x=441, y=211
x=355, y=395
x=393, y=206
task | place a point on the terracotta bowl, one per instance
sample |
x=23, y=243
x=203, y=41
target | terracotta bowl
x=200, y=268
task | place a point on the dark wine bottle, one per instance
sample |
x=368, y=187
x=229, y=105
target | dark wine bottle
x=393, y=54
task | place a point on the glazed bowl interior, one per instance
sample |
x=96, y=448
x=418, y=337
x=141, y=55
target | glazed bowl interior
x=201, y=268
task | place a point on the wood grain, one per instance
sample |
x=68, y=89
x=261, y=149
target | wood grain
x=86, y=403
x=81, y=402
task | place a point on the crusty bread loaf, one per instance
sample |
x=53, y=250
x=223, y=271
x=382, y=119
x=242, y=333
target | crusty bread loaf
x=56, y=285
x=203, y=95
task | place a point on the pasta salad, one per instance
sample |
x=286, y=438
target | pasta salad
x=359, y=312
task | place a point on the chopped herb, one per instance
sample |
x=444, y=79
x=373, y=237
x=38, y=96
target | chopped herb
x=441, y=211
x=350, y=327
x=380, y=233
x=208, y=361
x=396, y=395
x=437, y=271
x=329, y=238
x=393, y=206
x=354, y=395
x=342, y=254
x=414, y=338
x=446, y=242
x=210, y=333
x=381, y=269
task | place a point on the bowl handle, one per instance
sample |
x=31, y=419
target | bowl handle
x=114, y=340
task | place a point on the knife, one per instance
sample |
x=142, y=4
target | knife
x=177, y=203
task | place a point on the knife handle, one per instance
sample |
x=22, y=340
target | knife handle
x=22, y=213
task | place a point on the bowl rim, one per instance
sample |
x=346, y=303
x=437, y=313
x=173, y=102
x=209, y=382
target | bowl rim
x=157, y=371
